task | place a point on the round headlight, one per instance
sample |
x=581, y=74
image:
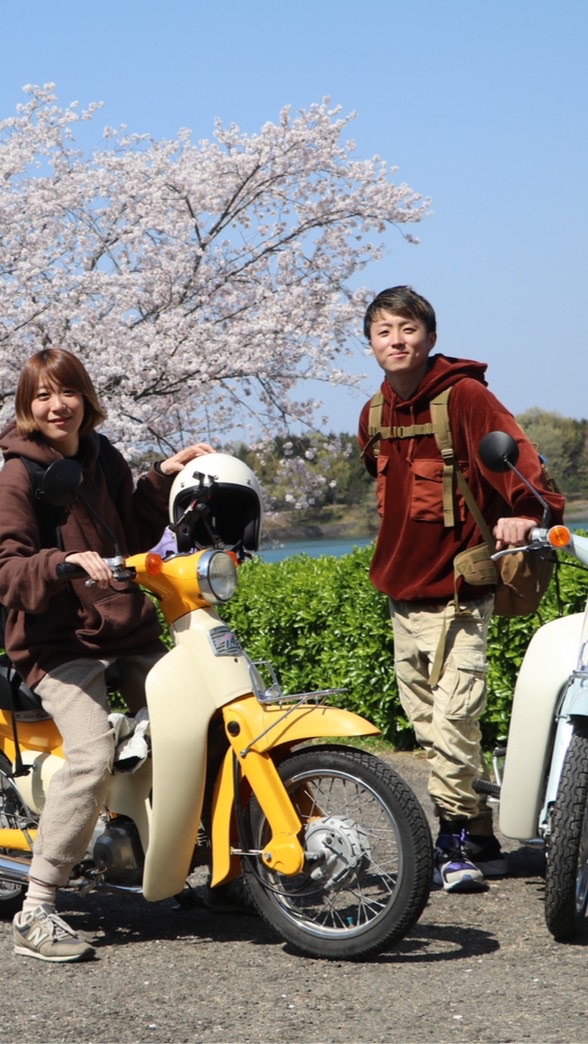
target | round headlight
x=217, y=576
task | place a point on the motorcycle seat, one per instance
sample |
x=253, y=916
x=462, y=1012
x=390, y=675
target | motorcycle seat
x=14, y=694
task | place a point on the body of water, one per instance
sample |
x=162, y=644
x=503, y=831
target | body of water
x=277, y=551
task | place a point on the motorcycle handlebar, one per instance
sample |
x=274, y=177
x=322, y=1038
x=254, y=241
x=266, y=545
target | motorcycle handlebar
x=71, y=571
x=557, y=538
x=538, y=537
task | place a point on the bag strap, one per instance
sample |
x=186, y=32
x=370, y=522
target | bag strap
x=442, y=432
x=470, y=500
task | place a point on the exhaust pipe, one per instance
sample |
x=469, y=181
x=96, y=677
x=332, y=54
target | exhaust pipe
x=14, y=870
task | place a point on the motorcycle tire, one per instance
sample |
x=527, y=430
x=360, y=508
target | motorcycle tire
x=566, y=875
x=368, y=856
x=11, y=814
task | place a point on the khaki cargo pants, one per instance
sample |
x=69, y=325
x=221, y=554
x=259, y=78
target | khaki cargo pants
x=446, y=717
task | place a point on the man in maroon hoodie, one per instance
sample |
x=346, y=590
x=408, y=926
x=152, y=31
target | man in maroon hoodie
x=413, y=562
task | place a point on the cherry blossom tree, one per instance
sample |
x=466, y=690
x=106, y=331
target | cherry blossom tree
x=199, y=282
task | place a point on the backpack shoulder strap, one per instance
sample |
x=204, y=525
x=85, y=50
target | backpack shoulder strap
x=440, y=428
x=376, y=431
x=36, y=472
x=451, y=468
x=108, y=459
x=442, y=432
x=48, y=516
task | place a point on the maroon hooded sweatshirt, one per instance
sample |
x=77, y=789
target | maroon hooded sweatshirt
x=52, y=620
x=413, y=559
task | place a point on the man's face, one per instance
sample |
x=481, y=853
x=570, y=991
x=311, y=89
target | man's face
x=401, y=346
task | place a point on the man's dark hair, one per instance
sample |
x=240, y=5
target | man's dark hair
x=401, y=300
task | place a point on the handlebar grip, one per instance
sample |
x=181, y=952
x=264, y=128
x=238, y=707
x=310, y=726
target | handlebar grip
x=70, y=571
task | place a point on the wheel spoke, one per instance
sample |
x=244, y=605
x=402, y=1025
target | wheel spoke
x=356, y=879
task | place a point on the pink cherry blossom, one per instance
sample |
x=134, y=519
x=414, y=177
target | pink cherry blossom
x=198, y=281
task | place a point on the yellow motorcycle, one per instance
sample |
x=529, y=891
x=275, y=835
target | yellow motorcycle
x=333, y=847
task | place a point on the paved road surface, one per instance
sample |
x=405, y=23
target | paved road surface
x=476, y=968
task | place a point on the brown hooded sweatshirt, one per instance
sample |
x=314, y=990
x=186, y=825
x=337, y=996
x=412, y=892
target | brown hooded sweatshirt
x=52, y=620
x=413, y=559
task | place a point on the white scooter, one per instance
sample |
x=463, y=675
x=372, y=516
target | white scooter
x=542, y=774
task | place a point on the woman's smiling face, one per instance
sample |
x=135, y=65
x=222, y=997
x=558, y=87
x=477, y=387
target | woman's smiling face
x=58, y=413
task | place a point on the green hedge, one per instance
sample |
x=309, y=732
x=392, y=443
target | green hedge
x=322, y=624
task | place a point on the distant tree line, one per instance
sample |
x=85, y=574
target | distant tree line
x=564, y=443
x=314, y=472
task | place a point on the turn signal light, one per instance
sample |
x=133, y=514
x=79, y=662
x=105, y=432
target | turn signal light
x=559, y=536
x=153, y=564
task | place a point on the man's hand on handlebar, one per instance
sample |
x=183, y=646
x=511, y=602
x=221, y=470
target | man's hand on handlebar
x=513, y=532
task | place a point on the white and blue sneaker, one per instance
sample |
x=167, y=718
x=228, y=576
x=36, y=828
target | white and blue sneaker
x=454, y=868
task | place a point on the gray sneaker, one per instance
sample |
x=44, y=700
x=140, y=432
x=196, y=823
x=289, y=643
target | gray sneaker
x=41, y=933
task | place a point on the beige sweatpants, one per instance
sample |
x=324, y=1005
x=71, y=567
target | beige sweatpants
x=446, y=716
x=76, y=698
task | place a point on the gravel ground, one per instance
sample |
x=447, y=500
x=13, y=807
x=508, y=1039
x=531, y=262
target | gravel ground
x=475, y=968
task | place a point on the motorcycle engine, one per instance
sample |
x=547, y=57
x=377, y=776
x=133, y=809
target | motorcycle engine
x=118, y=853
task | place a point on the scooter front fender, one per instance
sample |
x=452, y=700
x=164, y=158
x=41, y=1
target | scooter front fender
x=547, y=665
x=273, y=724
x=254, y=730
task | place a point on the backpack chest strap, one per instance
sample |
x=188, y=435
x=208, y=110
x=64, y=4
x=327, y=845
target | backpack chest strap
x=438, y=426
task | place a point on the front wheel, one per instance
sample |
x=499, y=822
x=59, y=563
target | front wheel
x=368, y=856
x=566, y=876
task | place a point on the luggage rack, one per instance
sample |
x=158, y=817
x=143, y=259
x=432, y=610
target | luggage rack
x=274, y=694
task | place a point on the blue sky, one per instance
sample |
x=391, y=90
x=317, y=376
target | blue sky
x=481, y=105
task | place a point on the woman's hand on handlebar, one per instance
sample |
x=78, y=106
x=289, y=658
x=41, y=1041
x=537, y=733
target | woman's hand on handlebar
x=513, y=532
x=93, y=565
x=174, y=464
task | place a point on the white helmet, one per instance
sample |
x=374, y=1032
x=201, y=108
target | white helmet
x=216, y=499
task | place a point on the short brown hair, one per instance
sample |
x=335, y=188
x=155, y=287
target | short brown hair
x=62, y=368
x=401, y=300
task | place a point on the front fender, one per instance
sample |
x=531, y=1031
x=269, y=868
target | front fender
x=549, y=660
x=270, y=725
x=254, y=730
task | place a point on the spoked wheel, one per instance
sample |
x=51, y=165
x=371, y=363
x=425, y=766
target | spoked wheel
x=368, y=856
x=12, y=815
x=566, y=875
